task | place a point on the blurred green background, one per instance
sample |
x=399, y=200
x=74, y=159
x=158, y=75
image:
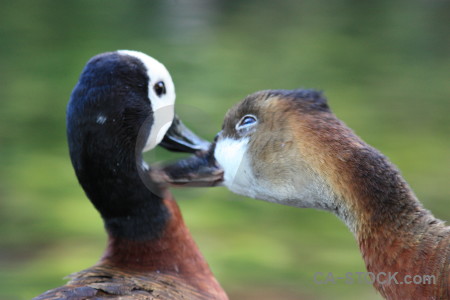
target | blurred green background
x=384, y=66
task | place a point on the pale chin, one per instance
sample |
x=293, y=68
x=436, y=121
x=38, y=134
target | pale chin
x=232, y=156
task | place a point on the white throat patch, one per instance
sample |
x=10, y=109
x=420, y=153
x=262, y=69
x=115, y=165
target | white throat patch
x=163, y=106
x=232, y=155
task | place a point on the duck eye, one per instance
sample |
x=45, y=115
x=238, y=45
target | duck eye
x=159, y=88
x=246, y=121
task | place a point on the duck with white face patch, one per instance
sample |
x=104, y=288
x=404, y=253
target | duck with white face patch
x=287, y=147
x=123, y=105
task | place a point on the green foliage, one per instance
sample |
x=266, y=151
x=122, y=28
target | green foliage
x=384, y=66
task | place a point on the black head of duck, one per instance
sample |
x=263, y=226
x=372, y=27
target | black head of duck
x=123, y=105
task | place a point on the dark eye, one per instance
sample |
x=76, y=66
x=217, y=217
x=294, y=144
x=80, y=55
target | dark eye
x=159, y=88
x=246, y=121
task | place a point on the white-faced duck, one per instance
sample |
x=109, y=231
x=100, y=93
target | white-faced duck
x=123, y=105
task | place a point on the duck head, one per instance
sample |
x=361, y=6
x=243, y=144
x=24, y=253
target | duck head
x=262, y=152
x=127, y=98
x=268, y=149
x=122, y=105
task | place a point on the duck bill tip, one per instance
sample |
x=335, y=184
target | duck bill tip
x=198, y=170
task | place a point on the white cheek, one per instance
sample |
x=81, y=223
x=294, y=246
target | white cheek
x=229, y=154
x=163, y=113
x=238, y=174
x=162, y=106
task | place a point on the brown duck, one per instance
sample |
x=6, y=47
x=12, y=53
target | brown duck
x=287, y=147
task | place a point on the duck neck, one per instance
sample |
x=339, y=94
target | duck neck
x=173, y=252
x=146, y=232
x=118, y=186
x=394, y=232
x=409, y=257
x=396, y=235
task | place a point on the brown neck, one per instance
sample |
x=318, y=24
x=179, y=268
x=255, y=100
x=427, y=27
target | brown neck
x=174, y=252
x=414, y=251
x=395, y=233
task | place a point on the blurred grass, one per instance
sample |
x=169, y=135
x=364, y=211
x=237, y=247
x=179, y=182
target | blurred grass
x=383, y=65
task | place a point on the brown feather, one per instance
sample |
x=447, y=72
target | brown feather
x=170, y=267
x=395, y=233
x=301, y=154
x=103, y=282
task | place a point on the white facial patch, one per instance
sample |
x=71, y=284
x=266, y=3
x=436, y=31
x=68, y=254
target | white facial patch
x=232, y=155
x=162, y=106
